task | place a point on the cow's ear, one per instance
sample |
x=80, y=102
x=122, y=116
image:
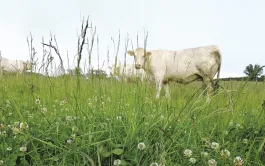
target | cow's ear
x=148, y=53
x=130, y=52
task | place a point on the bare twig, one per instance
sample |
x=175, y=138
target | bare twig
x=56, y=50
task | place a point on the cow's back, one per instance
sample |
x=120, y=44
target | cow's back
x=183, y=63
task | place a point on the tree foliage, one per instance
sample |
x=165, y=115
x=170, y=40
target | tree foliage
x=253, y=72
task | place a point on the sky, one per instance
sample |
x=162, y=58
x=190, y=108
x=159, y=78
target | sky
x=237, y=27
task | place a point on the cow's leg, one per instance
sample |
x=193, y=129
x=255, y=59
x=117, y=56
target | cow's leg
x=209, y=89
x=158, y=87
x=166, y=87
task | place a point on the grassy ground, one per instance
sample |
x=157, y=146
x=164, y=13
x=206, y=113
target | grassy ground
x=53, y=121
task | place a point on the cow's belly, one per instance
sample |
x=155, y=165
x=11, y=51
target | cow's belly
x=182, y=76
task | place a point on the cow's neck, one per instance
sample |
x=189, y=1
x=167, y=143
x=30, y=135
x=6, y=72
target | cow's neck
x=147, y=65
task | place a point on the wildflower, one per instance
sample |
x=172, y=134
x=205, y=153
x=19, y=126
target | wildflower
x=108, y=99
x=62, y=102
x=119, y=117
x=154, y=164
x=1, y=162
x=231, y=124
x=69, y=141
x=187, y=153
x=10, y=113
x=204, y=154
x=7, y=103
x=192, y=160
x=73, y=136
x=214, y=145
x=16, y=123
x=37, y=101
x=245, y=141
x=43, y=110
x=69, y=118
x=23, y=125
x=23, y=149
x=1, y=126
x=226, y=132
x=239, y=126
x=9, y=148
x=15, y=130
x=141, y=146
x=238, y=161
x=212, y=162
x=3, y=133
x=225, y=153
x=117, y=162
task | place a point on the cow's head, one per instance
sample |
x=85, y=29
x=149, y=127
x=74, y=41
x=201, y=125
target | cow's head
x=139, y=57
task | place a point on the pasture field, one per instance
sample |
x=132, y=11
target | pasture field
x=58, y=121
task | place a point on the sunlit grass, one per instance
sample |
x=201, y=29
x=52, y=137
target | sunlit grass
x=48, y=121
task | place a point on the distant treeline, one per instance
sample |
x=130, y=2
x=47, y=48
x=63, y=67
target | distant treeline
x=259, y=79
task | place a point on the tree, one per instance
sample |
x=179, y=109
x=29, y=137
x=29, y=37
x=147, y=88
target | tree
x=253, y=72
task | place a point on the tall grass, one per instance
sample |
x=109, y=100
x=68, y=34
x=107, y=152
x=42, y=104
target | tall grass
x=107, y=121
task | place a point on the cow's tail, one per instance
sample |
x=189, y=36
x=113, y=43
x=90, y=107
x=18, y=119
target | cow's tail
x=219, y=62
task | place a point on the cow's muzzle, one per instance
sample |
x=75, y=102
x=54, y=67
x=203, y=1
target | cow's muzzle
x=137, y=66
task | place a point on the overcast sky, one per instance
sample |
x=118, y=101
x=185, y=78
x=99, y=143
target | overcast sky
x=237, y=26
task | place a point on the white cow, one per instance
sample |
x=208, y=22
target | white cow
x=128, y=71
x=182, y=66
x=13, y=66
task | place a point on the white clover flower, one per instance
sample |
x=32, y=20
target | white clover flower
x=23, y=125
x=204, y=154
x=15, y=130
x=226, y=132
x=1, y=162
x=245, y=141
x=225, y=153
x=43, y=110
x=238, y=161
x=119, y=117
x=141, y=146
x=214, y=145
x=1, y=126
x=154, y=164
x=9, y=148
x=192, y=160
x=187, y=153
x=212, y=162
x=117, y=162
x=23, y=149
x=10, y=113
x=37, y=101
x=69, y=141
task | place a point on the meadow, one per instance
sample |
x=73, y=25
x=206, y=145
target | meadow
x=99, y=121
